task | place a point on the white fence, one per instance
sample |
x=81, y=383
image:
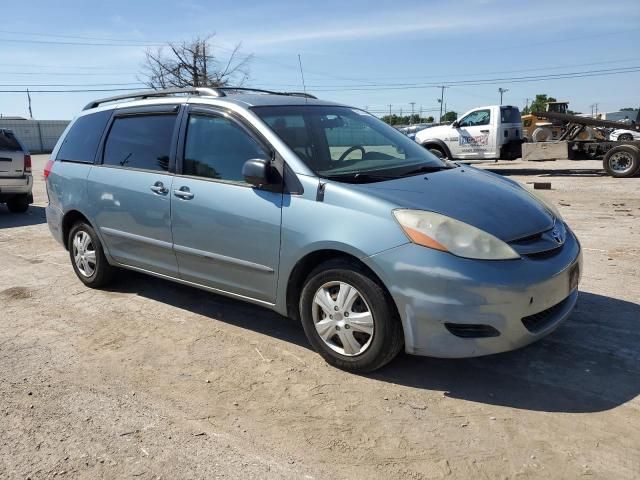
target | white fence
x=39, y=136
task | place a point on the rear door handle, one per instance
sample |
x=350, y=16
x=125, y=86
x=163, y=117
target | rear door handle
x=183, y=193
x=159, y=188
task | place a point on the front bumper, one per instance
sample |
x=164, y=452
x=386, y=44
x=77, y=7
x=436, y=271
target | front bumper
x=433, y=288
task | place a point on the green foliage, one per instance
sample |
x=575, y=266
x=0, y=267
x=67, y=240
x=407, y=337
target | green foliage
x=450, y=116
x=539, y=104
x=628, y=109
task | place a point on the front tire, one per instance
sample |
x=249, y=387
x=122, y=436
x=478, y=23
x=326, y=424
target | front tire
x=625, y=137
x=18, y=204
x=349, y=318
x=87, y=256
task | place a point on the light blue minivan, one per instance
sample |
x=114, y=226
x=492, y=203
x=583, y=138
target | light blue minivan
x=318, y=211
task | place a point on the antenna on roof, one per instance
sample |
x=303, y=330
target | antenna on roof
x=304, y=87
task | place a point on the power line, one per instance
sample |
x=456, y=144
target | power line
x=73, y=91
x=100, y=39
x=137, y=85
x=81, y=44
x=486, y=81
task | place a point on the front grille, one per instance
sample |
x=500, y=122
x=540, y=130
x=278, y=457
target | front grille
x=545, y=254
x=466, y=330
x=539, y=321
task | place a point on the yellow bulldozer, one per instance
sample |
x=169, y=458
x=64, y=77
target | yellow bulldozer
x=536, y=128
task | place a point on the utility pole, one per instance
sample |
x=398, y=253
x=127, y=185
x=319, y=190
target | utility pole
x=502, y=91
x=389, y=113
x=442, y=87
x=594, y=105
x=29, y=99
x=413, y=104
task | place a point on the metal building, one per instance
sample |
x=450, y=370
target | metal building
x=39, y=136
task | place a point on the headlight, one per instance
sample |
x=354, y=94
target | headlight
x=548, y=204
x=443, y=233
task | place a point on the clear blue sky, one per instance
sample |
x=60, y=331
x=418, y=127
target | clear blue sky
x=346, y=46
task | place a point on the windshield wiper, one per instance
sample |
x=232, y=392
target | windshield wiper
x=427, y=169
x=358, y=177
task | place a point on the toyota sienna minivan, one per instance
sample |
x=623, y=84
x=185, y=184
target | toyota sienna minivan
x=318, y=211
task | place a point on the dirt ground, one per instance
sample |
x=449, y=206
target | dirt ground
x=151, y=379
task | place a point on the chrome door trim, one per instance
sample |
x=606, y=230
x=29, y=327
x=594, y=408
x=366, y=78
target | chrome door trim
x=138, y=238
x=197, y=285
x=222, y=258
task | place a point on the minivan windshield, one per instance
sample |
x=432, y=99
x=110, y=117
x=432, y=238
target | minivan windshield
x=348, y=144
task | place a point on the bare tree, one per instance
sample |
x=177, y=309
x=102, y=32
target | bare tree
x=194, y=64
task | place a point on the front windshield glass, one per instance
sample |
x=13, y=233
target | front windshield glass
x=342, y=142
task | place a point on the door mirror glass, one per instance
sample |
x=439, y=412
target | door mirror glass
x=455, y=124
x=256, y=172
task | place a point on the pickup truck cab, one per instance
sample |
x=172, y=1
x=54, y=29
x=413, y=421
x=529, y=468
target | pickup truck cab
x=484, y=133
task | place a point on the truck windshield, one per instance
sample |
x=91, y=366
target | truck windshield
x=347, y=144
x=509, y=115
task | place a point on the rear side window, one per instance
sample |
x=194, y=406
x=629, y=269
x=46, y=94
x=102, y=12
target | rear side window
x=82, y=141
x=140, y=141
x=8, y=142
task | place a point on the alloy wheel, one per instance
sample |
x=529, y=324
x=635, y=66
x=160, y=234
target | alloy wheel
x=84, y=253
x=343, y=318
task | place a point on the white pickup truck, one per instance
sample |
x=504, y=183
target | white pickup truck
x=484, y=133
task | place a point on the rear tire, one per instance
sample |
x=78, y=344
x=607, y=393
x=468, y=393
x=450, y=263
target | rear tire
x=349, y=318
x=625, y=137
x=18, y=204
x=87, y=256
x=622, y=161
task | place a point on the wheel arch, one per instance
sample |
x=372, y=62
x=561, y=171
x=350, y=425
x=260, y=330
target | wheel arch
x=304, y=266
x=69, y=219
x=436, y=142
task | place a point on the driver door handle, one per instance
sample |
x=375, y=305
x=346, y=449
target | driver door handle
x=184, y=193
x=159, y=188
x=484, y=131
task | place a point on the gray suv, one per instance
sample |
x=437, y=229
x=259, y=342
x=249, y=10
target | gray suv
x=16, y=181
x=318, y=211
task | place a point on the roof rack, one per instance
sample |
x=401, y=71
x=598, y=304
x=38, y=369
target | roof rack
x=199, y=91
x=260, y=90
x=208, y=92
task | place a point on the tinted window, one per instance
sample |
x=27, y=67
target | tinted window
x=8, y=141
x=81, y=142
x=217, y=148
x=142, y=141
x=479, y=117
x=509, y=115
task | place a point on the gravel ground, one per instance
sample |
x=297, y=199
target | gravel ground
x=150, y=379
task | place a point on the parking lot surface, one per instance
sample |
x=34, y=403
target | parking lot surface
x=150, y=379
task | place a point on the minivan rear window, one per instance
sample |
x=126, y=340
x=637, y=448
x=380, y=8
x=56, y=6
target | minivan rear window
x=140, y=141
x=81, y=143
x=8, y=142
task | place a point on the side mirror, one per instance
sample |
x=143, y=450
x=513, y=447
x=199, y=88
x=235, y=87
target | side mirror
x=455, y=124
x=256, y=172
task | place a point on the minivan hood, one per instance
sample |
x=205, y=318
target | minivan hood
x=487, y=201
